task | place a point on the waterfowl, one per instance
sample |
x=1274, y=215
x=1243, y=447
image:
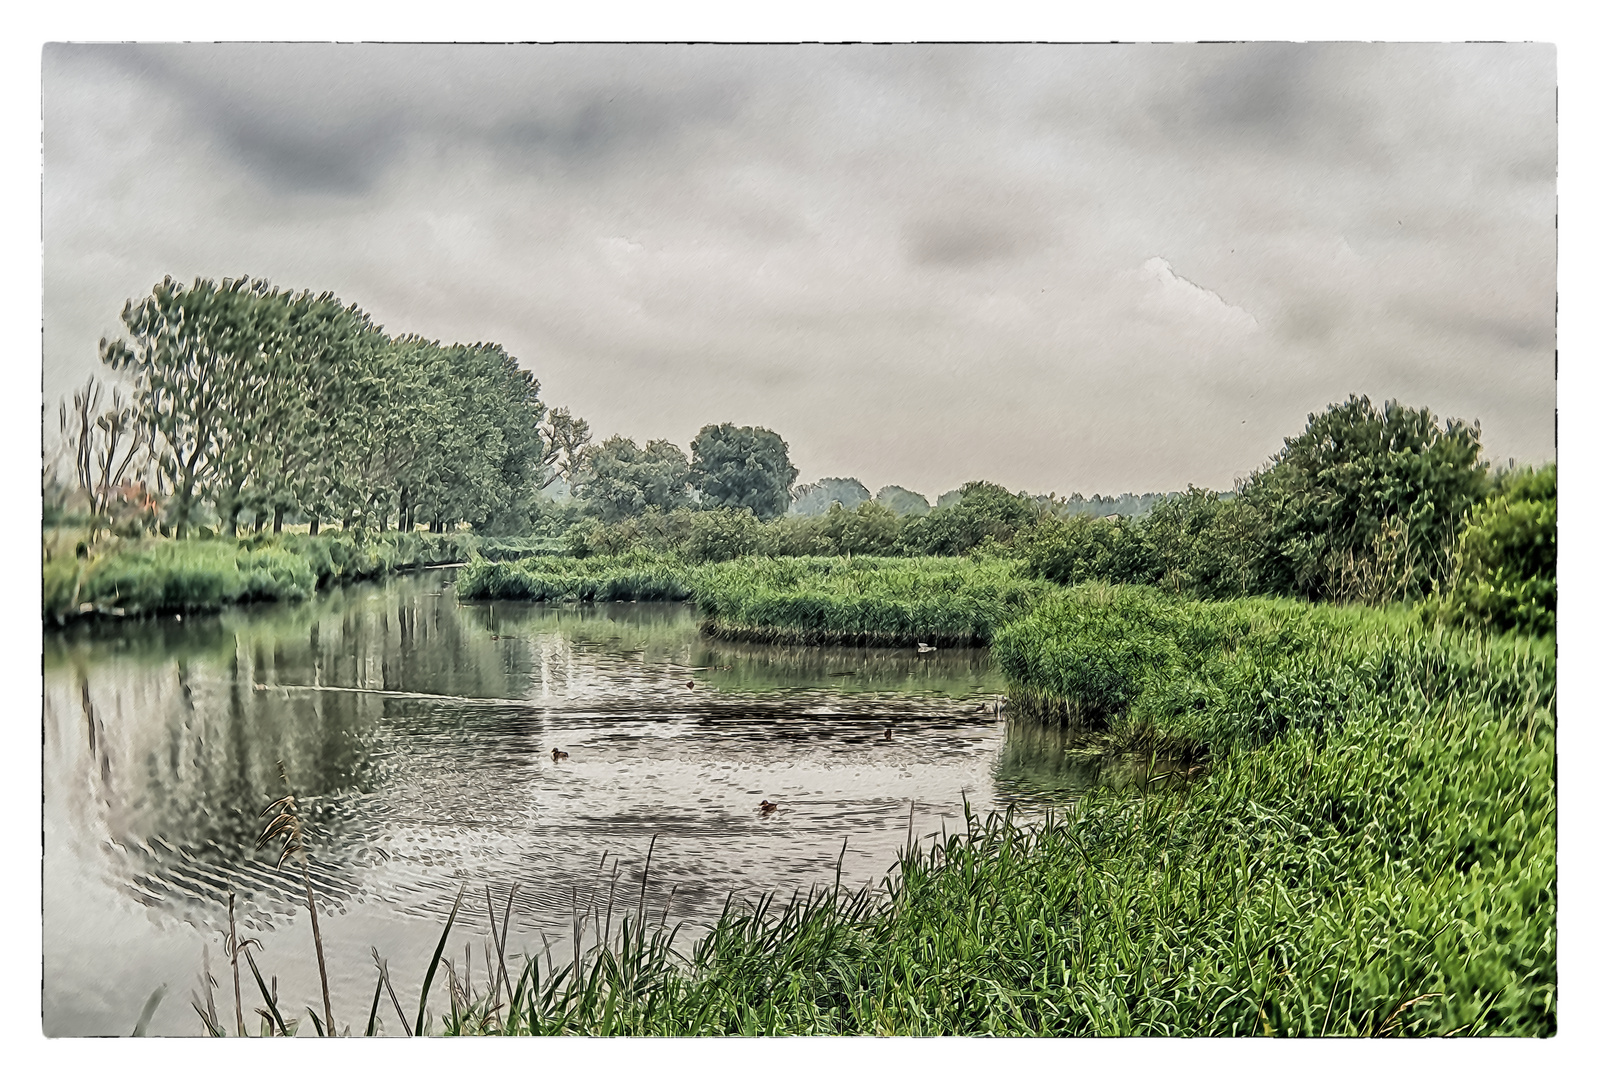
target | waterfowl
x=888, y=732
x=691, y=684
x=922, y=646
x=559, y=755
x=767, y=807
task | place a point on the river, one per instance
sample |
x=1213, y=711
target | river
x=417, y=733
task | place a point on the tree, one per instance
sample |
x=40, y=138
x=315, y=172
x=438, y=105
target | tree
x=104, y=447
x=810, y=499
x=566, y=444
x=903, y=501
x=981, y=511
x=1366, y=502
x=742, y=467
x=619, y=480
x=198, y=356
x=1504, y=575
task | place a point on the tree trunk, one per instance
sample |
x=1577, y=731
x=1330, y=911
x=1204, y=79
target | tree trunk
x=316, y=524
x=277, y=520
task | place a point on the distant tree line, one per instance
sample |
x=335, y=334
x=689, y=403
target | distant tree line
x=245, y=404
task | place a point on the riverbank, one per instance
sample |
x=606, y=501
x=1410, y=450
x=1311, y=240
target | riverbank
x=835, y=600
x=1371, y=851
x=157, y=576
x=1358, y=839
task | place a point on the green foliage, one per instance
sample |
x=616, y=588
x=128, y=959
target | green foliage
x=742, y=467
x=1196, y=543
x=1505, y=569
x=817, y=498
x=619, y=480
x=157, y=576
x=716, y=535
x=636, y=576
x=860, y=601
x=1365, y=504
x=1391, y=876
x=903, y=501
x=265, y=401
x=982, y=512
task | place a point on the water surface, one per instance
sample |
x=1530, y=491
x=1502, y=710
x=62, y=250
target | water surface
x=418, y=734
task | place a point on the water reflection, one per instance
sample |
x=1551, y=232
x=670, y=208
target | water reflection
x=418, y=733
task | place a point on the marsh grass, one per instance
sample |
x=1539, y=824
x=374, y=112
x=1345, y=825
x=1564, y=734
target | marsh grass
x=1370, y=852
x=148, y=577
x=865, y=600
x=598, y=579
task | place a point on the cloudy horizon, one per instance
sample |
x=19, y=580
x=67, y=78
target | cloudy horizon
x=1062, y=268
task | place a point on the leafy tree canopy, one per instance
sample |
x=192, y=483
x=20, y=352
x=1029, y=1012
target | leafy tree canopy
x=620, y=480
x=903, y=501
x=742, y=467
x=812, y=499
x=1364, y=487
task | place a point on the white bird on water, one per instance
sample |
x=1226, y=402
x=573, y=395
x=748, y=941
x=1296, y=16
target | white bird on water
x=922, y=646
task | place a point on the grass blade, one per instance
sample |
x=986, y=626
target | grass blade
x=427, y=982
x=148, y=1011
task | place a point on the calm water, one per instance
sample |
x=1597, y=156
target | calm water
x=418, y=733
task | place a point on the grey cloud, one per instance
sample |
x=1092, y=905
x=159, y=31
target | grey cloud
x=665, y=234
x=963, y=242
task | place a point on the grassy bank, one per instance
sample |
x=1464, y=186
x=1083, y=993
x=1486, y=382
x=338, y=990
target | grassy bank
x=863, y=601
x=810, y=601
x=147, y=577
x=635, y=576
x=1371, y=853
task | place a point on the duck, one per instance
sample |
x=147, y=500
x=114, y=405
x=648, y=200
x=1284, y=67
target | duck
x=888, y=732
x=922, y=646
x=691, y=684
x=767, y=806
x=559, y=755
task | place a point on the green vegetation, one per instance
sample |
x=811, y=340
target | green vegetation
x=146, y=577
x=638, y=576
x=742, y=467
x=1505, y=571
x=863, y=601
x=817, y=498
x=1370, y=852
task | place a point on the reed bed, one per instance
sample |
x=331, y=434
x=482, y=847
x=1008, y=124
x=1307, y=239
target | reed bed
x=156, y=576
x=554, y=579
x=1366, y=849
x=863, y=601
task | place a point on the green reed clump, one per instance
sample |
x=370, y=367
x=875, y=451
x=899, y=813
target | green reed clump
x=144, y=577
x=635, y=576
x=1372, y=853
x=865, y=600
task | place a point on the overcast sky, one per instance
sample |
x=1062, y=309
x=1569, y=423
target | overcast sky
x=1062, y=268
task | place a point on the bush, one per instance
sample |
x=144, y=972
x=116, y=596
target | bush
x=1504, y=576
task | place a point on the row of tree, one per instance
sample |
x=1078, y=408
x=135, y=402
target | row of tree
x=1369, y=503
x=248, y=403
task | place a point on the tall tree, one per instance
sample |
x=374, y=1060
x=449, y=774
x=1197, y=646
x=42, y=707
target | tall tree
x=198, y=356
x=742, y=467
x=1362, y=487
x=811, y=499
x=620, y=480
x=566, y=445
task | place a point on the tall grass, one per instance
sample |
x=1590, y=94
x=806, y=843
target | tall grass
x=863, y=601
x=1370, y=850
x=144, y=577
x=635, y=576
